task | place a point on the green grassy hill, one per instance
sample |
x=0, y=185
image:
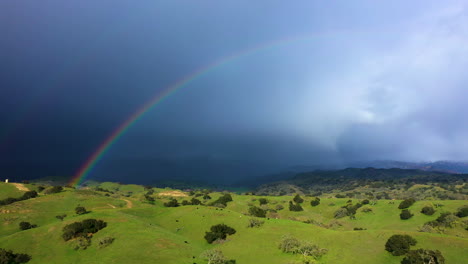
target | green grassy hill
x=152, y=233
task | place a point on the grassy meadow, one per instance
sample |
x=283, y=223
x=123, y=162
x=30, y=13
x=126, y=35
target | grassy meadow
x=153, y=233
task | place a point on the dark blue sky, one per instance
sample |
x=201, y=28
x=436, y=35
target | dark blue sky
x=358, y=80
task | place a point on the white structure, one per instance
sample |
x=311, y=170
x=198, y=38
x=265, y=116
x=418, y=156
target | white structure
x=6, y=180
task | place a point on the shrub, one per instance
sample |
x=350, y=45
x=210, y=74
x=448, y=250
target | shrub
x=399, y=244
x=172, y=203
x=185, y=202
x=428, y=210
x=195, y=201
x=53, y=189
x=295, y=207
x=367, y=209
x=289, y=244
x=82, y=229
x=61, y=217
x=27, y=195
x=256, y=211
x=262, y=201
x=365, y=201
x=422, y=256
x=405, y=214
x=444, y=220
x=106, y=241
x=253, y=222
x=462, y=211
x=7, y=257
x=82, y=242
x=298, y=199
x=279, y=207
x=215, y=256
x=80, y=210
x=26, y=225
x=340, y=196
x=219, y=232
x=340, y=213
x=406, y=203
x=206, y=197
x=149, y=198
x=224, y=199
x=315, y=201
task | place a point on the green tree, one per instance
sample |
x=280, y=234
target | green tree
x=295, y=207
x=172, y=203
x=298, y=199
x=262, y=201
x=220, y=231
x=79, y=210
x=428, y=210
x=257, y=211
x=315, y=201
x=61, y=217
x=399, y=244
x=26, y=225
x=406, y=203
x=405, y=214
x=423, y=256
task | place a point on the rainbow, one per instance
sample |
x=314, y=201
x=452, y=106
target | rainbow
x=98, y=154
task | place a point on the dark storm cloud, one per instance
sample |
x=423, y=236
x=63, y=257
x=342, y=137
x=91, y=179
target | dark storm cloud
x=371, y=81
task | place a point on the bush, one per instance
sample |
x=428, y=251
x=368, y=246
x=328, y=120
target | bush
x=366, y=201
x=172, y=203
x=399, y=244
x=406, y=203
x=82, y=229
x=61, y=217
x=215, y=256
x=315, y=201
x=298, y=199
x=106, y=241
x=53, y=189
x=428, y=210
x=405, y=214
x=295, y=207
x=279, y=207
x=253, y=222
x=262, y=201
x=82, y=242
x=224, y=199
x=80, y=210
x=340, y=196
x=422, y=256
x=289, y=244
x=219, y=232
x=27, y=195
x=340, y=213
x=256, y=211
x=185, y=202
x=26, y=225
x=195, y=201
x=462, y=211
x=8, y=257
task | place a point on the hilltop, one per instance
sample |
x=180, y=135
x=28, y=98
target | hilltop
x=141, y=228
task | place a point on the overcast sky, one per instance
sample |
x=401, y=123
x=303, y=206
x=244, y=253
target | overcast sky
x=315, y=81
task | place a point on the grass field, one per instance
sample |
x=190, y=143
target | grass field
x=147, y=233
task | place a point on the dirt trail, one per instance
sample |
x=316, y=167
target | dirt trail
x=173, y=193
x=111, y=205
x=129, y=203
x=20, y=187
